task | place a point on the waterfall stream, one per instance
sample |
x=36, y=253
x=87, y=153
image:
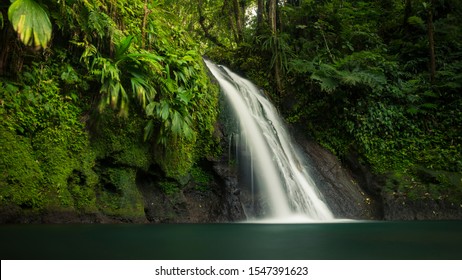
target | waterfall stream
x=272, y=164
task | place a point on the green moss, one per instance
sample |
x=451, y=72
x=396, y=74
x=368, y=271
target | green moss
x=119, y=152
x=20, y=174
x=201, y=178
x=121, y=140
x=177, y=158
x=56, y=147
x=46, y=174
x=57, y=163
x=421, y=183
x=118, y=195
x=169, y=188
x=83, y=195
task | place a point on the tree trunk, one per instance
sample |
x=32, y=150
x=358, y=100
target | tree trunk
x=206, y=28
x=4, y=50
x=431, y=41
x=278, y=77
x=407, y=13
x=260, y=16
x=238, y=19
x=277, y=68
x=272, y=15
x=143, y=27
x=11, y=58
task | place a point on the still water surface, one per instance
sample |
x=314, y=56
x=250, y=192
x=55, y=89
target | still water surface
x=357, y=240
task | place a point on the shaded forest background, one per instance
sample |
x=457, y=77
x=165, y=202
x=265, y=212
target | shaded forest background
x=94, y=93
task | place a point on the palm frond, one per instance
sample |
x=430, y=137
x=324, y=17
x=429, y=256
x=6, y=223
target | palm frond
x=31, y=22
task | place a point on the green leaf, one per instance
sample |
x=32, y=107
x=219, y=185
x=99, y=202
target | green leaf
x=429, y=106
x=141, y=89
x=148, y=129
x=164, y=110
x=176, y=123
x=188, y=58
x=123, y=46
x=31, y=22
x=430, y=93
x=184, y=96
x=327, y=84
x=150, y=108
x=417, y=21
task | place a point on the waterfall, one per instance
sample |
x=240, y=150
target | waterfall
x=275, y=165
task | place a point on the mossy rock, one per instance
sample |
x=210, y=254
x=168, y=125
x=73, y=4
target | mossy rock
x=20, y=174
x=422, y=183
x=119, y=195
x=120, y=140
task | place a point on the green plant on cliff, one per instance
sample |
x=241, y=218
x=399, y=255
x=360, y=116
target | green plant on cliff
x=20, y=176
x=124, y=69
x=48, y=124
x=131, y=61
x=119, y=195
x=201, y=178
x=376, y=78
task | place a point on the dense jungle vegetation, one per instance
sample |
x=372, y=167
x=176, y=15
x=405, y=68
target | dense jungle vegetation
x=95, y=92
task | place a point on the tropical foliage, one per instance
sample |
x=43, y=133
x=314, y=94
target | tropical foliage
x=377, y=78
x=93, y=93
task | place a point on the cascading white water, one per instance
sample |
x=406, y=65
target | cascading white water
x=274, y=159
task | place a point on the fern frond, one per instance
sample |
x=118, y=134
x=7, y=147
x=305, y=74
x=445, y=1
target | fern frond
x=328, y=84
x=301, y=66
x=373, y=80
x=122, y=47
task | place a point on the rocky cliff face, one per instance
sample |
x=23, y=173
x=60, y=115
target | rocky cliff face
x=191, y=202
x=350, y=189
x=353, y=192
x=218, y=201
x=398, y=207
x=342, y=191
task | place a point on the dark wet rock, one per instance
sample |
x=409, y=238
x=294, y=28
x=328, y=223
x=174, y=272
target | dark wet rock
x=353, y=191
x=341, y=190
x=13, y=214
x=217, y=202
x=230, y=193
x=399, y=207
